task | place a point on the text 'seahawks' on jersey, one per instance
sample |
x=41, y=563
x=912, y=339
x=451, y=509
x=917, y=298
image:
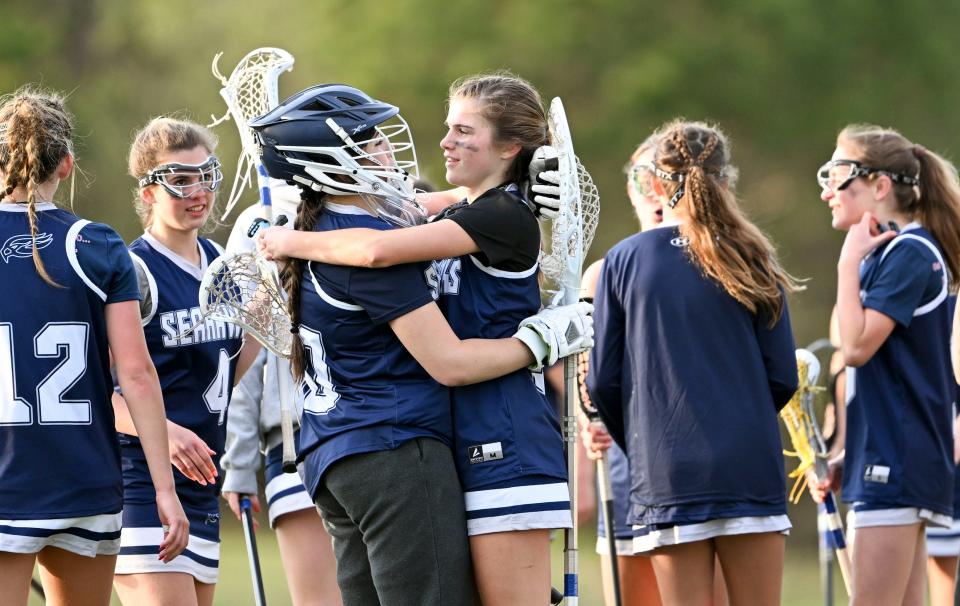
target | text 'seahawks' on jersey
x=196, y=370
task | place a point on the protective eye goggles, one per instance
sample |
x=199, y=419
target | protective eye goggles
x=184, y=180
x=641, y=177
x=837, y=175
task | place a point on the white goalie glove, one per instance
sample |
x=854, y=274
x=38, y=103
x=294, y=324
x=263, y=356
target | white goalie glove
x=544, y=184
x=557, y=332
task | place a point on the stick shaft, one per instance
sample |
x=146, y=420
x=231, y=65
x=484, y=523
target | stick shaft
x=286, y=416
x=283, y=369
x=252, y=555
x=570, y=560
x=606, y=500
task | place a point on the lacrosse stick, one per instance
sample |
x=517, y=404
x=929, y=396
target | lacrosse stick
x=246, y=511
x=249, y=92
x=799, y=418
x=827, y=517
x=571, y=234
x=605, y=489
x=245, y=289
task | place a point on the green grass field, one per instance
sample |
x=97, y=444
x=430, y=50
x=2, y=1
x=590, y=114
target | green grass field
x=800, y=582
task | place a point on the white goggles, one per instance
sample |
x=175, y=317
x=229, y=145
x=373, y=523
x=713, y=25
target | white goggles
x=184, y=180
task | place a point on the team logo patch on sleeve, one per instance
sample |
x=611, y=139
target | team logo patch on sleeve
x=484, y=452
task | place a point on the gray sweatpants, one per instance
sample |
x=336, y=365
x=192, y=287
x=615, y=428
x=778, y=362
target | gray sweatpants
x=398, y=526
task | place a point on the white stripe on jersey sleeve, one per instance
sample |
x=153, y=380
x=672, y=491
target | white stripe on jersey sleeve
x=500, y=273
x=71, y=247
x=323, y=295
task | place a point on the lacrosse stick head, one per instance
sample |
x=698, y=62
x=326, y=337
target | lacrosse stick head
x=250, y=91
x=336, y=139
x=801, y=426
x=245, y=289
x=808, y=370
x=573, y=229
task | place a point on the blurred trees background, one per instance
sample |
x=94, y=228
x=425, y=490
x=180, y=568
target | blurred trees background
x=780, y=76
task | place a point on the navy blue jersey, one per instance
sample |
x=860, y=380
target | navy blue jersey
x=899, y=425
x=689, y=383
x=59, y=456
x=505, y=427
x=363, y=392
x=196, y=370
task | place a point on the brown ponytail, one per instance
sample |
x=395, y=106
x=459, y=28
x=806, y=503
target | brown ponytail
x=721, y=241
x=934, y=203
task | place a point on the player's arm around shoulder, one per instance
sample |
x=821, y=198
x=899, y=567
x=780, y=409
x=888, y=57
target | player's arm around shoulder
x=362, y=247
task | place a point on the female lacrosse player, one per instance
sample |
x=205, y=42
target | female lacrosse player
x=638, y=585
x=694, y=360
x=254, y=425
x=507, y=441
x=371, y=411
x=900, y=206
x=197, y=361
x=60, y=479
x=637, y=580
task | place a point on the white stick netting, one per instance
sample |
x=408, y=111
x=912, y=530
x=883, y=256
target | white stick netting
x=250, y=91
x=573, y=229
x=245, y=289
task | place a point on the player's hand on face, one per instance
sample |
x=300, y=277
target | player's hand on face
x=863, y=238
x=271, y=243
x=191, y=455
x=233, y=500
x=176, y=525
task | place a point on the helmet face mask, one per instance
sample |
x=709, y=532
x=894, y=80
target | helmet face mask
x=336, y=140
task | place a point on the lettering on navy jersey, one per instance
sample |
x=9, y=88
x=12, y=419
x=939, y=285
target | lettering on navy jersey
x=178, y=328
x=484, y=452
x=443, y=277
x=876, y=473
x=680, y=241
x=21, y=246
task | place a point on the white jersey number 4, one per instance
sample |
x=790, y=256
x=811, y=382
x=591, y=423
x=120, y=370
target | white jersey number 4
x=217, y=394
x=67, y=340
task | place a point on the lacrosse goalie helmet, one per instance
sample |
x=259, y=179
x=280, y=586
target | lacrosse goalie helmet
x=337, y=140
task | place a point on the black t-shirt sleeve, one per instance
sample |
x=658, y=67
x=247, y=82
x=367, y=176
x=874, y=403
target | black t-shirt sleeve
x=503, y=228
x=390, y=292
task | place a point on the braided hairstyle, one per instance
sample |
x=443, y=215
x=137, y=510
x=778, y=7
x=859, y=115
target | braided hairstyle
x=935, y=202
x=308, y=212
x=35, y=137
x=721, y=240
